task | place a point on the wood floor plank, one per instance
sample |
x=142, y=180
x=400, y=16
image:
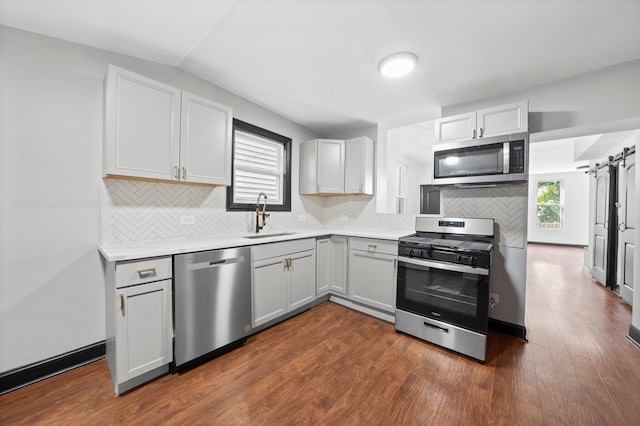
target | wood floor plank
x=334, y=366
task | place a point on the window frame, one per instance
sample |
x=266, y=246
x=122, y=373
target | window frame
x=560, y=205
x=286, y=168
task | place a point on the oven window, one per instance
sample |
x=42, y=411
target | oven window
x=447, y=290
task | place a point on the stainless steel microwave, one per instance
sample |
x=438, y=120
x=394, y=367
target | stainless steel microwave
x=498, y=159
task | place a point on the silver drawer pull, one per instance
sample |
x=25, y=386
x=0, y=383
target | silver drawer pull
x=442, y=329
x=146, y=271
x=373, y=246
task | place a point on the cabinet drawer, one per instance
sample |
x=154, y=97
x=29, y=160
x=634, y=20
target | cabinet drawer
x=374, y=246
x=285, y=248
x=143, y=271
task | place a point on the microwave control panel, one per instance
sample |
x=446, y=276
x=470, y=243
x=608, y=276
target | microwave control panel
x=516, y=156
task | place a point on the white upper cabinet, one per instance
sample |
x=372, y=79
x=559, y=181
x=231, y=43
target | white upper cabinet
x=495, y=121
x=335, y=166
x=358, y=171
x=322, y=166
x=456, y=128
x=142, y=126
x=503, y=120
x=156, y=131
x=205, y=141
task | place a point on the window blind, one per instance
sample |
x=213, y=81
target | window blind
x=258, y=168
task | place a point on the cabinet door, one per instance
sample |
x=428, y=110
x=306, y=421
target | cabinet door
x=358, y=170
x=503, y=120
x=373, y=279
x=301, y=272
x=339, y=259
x=143, y=328
x=142, y=127
x=330, y=166
x=268, y=290
x=456, y=128
x=205, y=141
x=323, y=265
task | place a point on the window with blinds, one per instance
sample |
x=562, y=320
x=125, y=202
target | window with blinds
x=261, y=163
x=257, y=168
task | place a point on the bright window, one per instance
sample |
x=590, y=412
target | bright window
x=401, y=188
x=549, y=204
x=261, y=163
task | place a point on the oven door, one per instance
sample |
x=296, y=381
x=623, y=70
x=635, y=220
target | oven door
x=456, y=294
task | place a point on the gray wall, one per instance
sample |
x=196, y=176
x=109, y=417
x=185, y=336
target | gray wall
x=51, y=109
x=600, y=96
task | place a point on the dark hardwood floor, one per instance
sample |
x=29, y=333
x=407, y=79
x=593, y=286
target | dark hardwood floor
x=335, y=366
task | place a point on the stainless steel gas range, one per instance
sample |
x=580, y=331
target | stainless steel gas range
x=444, y=283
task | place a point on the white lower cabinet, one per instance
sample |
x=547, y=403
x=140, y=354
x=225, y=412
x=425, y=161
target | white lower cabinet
x=284, y=278
x=143, y=323
x=139, y=321
x=332, y=257
x=373, y=272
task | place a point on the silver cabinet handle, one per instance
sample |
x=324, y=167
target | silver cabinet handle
x=481, y=132
x=474, y=134
x=184, y=173
x=176, y=173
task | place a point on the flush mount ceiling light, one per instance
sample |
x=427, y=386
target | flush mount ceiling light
x=398, y=64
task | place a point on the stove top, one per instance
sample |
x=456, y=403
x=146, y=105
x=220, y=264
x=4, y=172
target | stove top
x=447, y=244
x=454, y=240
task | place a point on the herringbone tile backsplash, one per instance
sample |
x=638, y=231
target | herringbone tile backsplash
x=506, y=204
x=139, y=211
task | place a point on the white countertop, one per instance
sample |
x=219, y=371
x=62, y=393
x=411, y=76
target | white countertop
x=133, y=250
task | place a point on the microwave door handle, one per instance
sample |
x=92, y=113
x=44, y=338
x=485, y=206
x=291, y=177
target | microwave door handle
x=505, y=158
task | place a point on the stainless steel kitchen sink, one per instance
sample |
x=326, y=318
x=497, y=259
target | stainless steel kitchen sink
x=279, y=234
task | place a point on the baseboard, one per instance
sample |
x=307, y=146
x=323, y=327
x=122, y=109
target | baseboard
x=634, y=335
x=518, y=331
x=23, y=376
x=386, y=316
x=557, y=244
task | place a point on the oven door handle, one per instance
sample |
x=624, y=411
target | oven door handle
x=444, y=266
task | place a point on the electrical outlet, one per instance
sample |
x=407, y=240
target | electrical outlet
x=494, y=299
x=344, y=217
x=302, y=218
x=187, y=220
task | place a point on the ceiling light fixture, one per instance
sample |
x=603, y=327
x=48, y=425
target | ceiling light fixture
x=398, y=64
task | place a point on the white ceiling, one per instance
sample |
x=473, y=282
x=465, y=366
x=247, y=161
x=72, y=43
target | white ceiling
x=315, y=61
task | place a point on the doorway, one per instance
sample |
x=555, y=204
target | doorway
x=595, y=176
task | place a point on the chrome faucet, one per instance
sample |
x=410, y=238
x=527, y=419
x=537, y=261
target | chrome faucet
x=262, y=213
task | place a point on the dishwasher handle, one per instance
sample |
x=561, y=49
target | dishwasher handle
x=215, y=263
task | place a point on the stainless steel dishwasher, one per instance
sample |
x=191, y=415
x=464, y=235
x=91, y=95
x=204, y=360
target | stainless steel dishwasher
x=212, y=303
